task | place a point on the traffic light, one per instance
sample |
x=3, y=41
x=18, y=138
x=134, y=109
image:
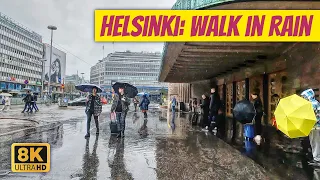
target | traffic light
x=62, y=86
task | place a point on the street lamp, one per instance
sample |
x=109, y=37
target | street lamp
x=100, y=62
x=42, y=76
x=52, y=28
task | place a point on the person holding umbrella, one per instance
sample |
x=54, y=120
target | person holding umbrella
x=93, y=108
x=144, y=105
x=314, y=135
x=120, y=106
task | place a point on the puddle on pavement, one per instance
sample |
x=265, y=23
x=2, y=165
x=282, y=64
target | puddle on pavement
x=169, y=148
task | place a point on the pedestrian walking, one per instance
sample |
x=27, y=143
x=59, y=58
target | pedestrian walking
x=7, y=103
x=173, y=103
x=35, y=102
x=214, y=106
x=257, y=103
x=205, y=108
x=314, y=135
x=93, y=108
x=120, y=106
x=144, y=105
x=135, y=103
x=27, y=103
x=195, y=105
x=190, y=106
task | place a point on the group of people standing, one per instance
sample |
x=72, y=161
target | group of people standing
x=30, y=101
x=120, y=106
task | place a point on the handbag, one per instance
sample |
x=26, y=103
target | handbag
x=113, y=116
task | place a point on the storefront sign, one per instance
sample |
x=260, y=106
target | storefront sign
x=38, y=83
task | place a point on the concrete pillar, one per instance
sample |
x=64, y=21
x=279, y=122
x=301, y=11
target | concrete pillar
x=184, y=92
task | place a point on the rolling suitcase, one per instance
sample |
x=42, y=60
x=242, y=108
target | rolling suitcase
x=113, y=124
x=113, y=127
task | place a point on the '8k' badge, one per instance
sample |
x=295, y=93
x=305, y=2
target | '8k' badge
x=30, y=157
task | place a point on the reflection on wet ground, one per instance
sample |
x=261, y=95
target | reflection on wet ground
x=164, y=146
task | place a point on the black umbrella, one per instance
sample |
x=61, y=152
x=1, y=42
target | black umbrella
x=244, y=112
x=88, y=88
x=129, y=89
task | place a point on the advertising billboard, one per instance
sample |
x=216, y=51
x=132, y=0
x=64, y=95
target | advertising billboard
x=58, y=64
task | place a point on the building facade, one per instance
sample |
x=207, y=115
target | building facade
x=21, y=53
x=140, y=69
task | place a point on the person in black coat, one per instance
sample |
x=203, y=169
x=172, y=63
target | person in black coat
x=205, y=108
x=27, y=100
x=214, y=104
x=259, y=110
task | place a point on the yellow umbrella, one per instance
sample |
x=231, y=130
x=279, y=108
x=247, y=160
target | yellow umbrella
x=295, y=116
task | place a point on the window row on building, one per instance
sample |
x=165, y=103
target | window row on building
x=133, y=78
x=133, y=65
x=21, y=62
x=18, y=53
x=21, y=36
x=21, y=45
x=121, y=73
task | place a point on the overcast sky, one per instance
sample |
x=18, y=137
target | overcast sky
x=74, y=19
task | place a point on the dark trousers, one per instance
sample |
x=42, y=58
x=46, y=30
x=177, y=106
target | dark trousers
x=121, y=121
x=205, y=118
x=257, y=124
x=34, y=106
x=145, y=115
x=135, y=107
x=27, y=106
x=89, y=115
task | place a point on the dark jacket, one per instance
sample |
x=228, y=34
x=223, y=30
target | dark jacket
x=174, y=102
x=205, y=105
x=27, y=99
x=125, y=104
x=97, y=105
x=144, y=104
x=258, y=106
x=214, y=103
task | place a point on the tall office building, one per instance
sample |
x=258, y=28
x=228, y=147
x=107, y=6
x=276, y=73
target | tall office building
x=140, y=69
x=21, y=53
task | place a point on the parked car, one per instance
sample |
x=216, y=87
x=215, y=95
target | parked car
x=78, y=102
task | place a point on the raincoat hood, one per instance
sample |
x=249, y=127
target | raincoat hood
x=308, y=94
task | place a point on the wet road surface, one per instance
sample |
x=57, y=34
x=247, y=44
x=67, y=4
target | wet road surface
x=156, y=148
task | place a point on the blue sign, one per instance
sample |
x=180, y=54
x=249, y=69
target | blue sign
x=2, y=85
x=59, y=80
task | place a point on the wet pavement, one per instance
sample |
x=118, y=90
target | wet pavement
x=157, y=148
